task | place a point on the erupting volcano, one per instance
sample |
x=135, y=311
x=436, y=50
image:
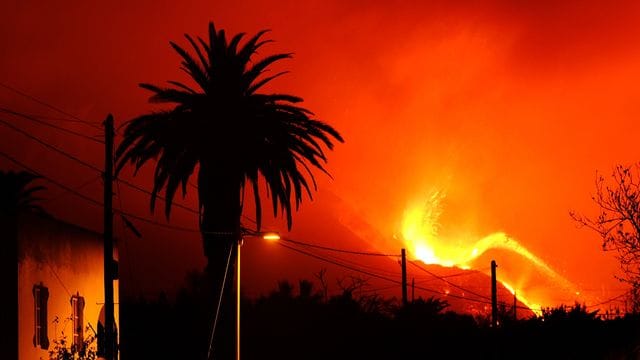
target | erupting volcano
x=420, y=234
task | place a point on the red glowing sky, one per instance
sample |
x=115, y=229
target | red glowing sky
x=510, y=107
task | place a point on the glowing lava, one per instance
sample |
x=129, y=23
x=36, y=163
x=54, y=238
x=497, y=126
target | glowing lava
x=420, y=228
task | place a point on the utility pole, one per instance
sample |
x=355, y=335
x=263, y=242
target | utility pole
x=494, y=295
x=109, y=264
x=404, y=277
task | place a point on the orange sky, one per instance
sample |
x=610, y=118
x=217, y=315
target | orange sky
x=509, y=107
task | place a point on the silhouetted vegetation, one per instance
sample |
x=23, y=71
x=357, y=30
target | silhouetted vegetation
x=618, y=222
x=298, y=322
x=17, y=193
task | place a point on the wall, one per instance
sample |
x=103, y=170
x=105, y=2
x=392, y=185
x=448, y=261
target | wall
x=68, y=261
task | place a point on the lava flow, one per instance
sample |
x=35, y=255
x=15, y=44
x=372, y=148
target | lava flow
x=420, y=233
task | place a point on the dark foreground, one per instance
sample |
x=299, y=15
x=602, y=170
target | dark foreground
x=301, y=323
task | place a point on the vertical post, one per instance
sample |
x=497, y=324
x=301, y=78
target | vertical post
x=404, y=277
x=110, y=341
x=238, y=300
x=494, y=295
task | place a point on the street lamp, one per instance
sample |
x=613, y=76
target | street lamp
x=266, y=235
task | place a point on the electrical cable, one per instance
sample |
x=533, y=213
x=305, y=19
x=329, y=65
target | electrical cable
x=34, y=119
x=340, y=250
x=93, y=201
x=90, y=181
x=609, y=300
x=447, y=281
x=49, y=146
x=41, y=102
x=379, y=276
x=462, y=273
x=86, y=164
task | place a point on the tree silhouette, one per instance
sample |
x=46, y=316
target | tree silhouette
x=618, y=222
x=232, y=134
x=16, y=196
x=16, y=193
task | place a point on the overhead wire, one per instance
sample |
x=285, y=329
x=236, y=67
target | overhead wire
x=91, y=200
x=49, y=146
x=351, y=262
x=84, y=184
x=339, y=264
x=459, y=274
x=86, y=164
x=43, y=103
x=615, y=298
x=380, y=276
x=45, y=123
x=447, y=281
x=340, y=250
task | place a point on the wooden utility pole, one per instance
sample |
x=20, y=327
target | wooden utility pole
x=494, y=295
x=404, y=277
x=109, y=264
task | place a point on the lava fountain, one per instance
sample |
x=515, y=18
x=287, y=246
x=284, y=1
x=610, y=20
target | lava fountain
x=420, y=234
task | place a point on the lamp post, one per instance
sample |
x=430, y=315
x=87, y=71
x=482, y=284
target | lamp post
x=270, y=236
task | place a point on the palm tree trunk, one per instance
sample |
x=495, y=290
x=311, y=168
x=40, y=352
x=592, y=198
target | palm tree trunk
x=9, y=274
x=219, y=194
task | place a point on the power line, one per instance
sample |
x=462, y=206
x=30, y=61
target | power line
x=447, y=281
x=384, y=288
x=49, y=146
x=353, y=263
x=141, y=189
x=60, y=128
x=340, y=250
x=71, y=190
x=380, y=276
x=339, y=264
x=609, y=300
x=64, y=153
x=93, y=201
x=86, y=164
x=90, y=181
x=462, y=273
x=41, y=102
x=167, y=226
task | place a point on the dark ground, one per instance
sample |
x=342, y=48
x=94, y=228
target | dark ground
x=301, y=323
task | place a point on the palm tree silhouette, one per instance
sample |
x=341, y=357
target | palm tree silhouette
x=233, y=135
x=16, y=197
x=16, y=193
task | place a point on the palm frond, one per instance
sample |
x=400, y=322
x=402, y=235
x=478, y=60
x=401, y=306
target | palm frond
x=256, y=70
x=17, y=192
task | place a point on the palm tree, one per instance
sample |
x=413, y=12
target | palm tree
x=232, y=134
x=16, y=197
x=16, y=193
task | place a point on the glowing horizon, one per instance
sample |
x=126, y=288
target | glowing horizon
x=420, y=234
